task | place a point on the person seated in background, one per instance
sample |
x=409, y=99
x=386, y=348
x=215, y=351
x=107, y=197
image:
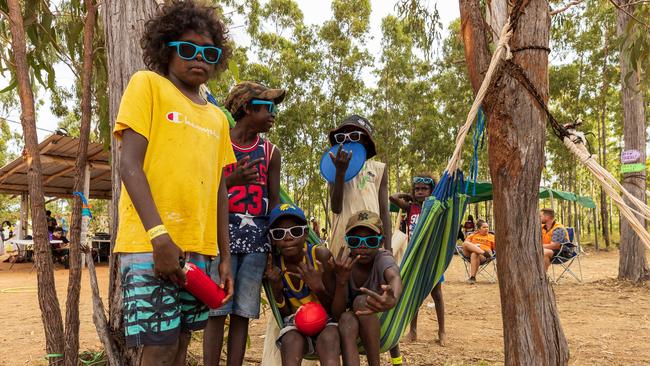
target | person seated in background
x=51, y=221
x=469, y=225
x=553, y=235
x=478, y=247
x=60, y=251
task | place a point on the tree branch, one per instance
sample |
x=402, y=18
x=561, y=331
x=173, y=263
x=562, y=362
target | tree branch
x=566, y=7
x=621, y=8
x=476, y=37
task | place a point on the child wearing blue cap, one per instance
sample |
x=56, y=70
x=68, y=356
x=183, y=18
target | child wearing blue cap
x=299, y=274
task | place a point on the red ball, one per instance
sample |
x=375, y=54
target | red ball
x=199, y=284
x=311, y=318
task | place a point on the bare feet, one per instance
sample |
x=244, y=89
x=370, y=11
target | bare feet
x=412, y=336
x=442, y=338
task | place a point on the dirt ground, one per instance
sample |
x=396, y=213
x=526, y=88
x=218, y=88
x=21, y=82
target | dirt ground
x=605, y=322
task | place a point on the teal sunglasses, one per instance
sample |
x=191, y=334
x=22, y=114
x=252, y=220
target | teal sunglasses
x=189, y=50
x=270, y=105
x=370, y=242
x=425, y=180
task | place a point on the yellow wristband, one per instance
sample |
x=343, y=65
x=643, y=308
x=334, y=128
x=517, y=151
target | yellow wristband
x=157, y=231
x=396, y=360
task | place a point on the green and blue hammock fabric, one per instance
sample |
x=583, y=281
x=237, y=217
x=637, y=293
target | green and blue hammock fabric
x=429, y=251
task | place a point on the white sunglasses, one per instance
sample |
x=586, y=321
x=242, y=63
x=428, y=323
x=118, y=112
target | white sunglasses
x=280, y=233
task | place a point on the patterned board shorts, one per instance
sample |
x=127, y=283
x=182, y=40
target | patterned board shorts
x=156, y=310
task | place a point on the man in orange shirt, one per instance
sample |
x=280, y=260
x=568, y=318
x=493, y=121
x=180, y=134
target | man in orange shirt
x=478, y=247
x=553, y=235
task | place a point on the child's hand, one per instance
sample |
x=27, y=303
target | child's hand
x=406, y=197
x=376, y=303
x=166, y=255
x=341, y=160
x=245, y=173
x=342, y=267
x=313, y=277
x=225, y=275
x=273, y=274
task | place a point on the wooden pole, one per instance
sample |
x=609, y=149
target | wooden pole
x=24, y=214
x=595, y=216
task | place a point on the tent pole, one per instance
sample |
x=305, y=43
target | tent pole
x=24, y=213
x=550, y=195
x=84, y=219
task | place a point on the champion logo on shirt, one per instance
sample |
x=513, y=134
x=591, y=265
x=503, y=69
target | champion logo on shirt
x=175, y=117
x=180, y=118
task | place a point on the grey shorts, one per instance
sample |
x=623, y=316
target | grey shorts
x=290, y=325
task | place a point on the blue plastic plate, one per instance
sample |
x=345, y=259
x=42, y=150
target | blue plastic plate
x=327, y=169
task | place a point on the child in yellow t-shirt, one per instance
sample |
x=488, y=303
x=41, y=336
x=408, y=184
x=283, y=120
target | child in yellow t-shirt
x=174, y=145
x=478, y=247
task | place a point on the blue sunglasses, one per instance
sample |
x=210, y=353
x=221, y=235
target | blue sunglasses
x=270, y=105
x=424, y=180
x=370, y=242
x=189, y=50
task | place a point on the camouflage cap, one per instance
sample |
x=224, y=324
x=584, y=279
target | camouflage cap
x=244, y=92
x=365, y=218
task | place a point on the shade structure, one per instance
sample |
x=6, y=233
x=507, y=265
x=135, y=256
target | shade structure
x=58, y=154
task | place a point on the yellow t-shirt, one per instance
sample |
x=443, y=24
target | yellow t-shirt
x=189, y=144
x=486, y=242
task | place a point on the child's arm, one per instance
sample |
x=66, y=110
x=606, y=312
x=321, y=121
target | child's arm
x=384, y=211
x=401, y=200
x=324, y=257
x=272, y=275
x=274, y=178
x=166, y=253
x=376, y=303
x=341, y=161
x=225, y=272
x=342, y=267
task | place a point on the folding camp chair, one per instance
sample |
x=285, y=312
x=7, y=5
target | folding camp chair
x=487, y=269
x=568, y=254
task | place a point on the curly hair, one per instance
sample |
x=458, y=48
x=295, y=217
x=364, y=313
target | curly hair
x=175, y=19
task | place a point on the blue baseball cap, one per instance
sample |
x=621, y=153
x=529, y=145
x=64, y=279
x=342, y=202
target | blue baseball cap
x=286, y=209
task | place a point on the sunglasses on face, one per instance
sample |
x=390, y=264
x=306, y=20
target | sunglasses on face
x=353, y=136
x=280, y=233
x=189, y=50
x=370, y=242
x=270, y=105
x=424, y=180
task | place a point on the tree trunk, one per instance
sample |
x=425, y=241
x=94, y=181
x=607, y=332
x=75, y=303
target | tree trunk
x=74, y=282
x=595, y=219
x=124, y=25
x=532, y=331
x=633, y=265
x=47, y=299
x=602, y=124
